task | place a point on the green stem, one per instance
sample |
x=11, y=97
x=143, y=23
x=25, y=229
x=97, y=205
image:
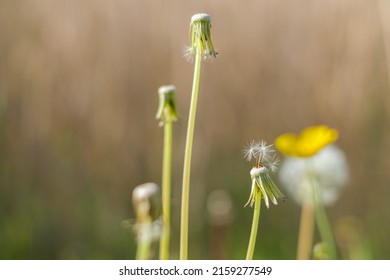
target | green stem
x=144, y=242
x=255, y=225
x=187, y=160
x=143, y=249
x=166, y=191
x=322, y=221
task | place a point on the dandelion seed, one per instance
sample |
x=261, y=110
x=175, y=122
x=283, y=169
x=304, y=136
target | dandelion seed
x=251, y=150
x=273, y=163
x=265, y=151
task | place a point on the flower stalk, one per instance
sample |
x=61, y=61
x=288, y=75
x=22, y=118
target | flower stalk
x=322, y=221
x=306, y=229
x=313, y=173
x=201, y=46
x=255, y=225
x=166, y=114
x=262, y=187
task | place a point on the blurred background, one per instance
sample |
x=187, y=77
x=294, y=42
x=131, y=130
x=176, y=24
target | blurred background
x=78, y=98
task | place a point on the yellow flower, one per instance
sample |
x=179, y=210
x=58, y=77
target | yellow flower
x=309, y=142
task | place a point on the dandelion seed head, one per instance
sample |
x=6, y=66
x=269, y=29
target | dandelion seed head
x=263, y=154
x=330, y=171
x=251, y=150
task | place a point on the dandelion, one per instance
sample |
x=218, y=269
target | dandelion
x=262, y=184
x=200, y=29
x=313, y=173
x=266, y=162
x=201, y=46
x=147, y=208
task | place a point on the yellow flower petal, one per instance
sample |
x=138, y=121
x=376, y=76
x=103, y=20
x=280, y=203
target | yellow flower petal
x=287, y=144
x=309, y=142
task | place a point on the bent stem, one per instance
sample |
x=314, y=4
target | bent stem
x=166, y=191
x=306, y=229
x=255, y=225
x=187, y=159
x=322, y=221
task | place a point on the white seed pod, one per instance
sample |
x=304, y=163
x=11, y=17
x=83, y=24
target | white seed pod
x=328, y=169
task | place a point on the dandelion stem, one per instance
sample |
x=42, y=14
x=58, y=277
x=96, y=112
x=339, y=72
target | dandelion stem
x=187, y=159
x=143, y=249
x=144, y=242
x=166, y=191
x=322, y=221
x=324, y=226
x=255, y=225
x=306, y=229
